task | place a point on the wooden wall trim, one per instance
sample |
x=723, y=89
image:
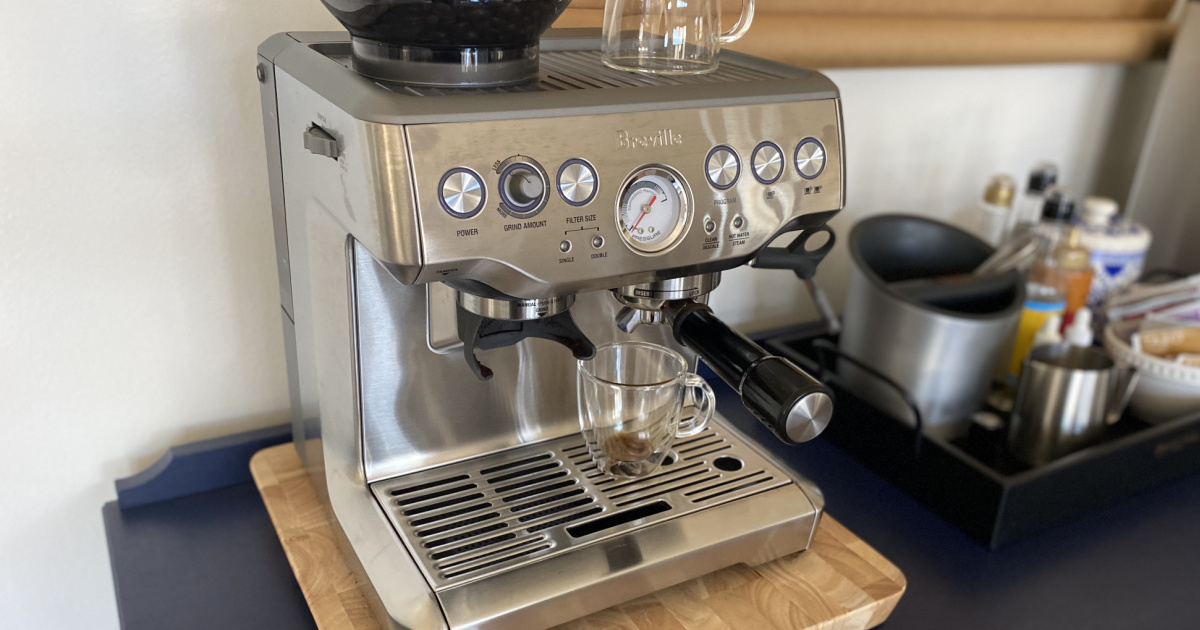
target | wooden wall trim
x=842, y=41
x=1030, y=9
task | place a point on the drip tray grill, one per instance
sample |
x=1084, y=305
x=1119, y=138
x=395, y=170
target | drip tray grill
x=498, y=512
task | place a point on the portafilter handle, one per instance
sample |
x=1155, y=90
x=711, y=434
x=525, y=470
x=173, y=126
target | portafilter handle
x=793, y=404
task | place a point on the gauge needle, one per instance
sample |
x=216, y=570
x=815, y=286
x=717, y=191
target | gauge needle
x=645, y=211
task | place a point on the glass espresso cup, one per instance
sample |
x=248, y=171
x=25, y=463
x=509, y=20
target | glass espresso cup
x=635, y=398
x=668, y=36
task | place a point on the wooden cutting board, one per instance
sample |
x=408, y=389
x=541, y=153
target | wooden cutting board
x=840, y=582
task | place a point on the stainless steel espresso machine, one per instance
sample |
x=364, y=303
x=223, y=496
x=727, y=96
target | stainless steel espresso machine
x=447, y=254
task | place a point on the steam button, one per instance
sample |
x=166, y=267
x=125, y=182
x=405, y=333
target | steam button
x=738, y=222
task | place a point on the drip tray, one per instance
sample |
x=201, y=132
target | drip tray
x=499, y=512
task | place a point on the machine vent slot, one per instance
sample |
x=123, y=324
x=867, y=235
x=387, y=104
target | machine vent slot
x=531, y=482
x=500, y=560
x=526, y=471
x=555, y=510
x=562, y=495
x=441, y=504
x=435, y=495
x=417, y=522
x=536, y=491
x=577, y=70
x=441, y=542
x=438, y=555
x=494, y=551
x=496, y=513
x=516, y=464
x=457, y=524
x=566, y=519
x=432, y=484
x=738, y=484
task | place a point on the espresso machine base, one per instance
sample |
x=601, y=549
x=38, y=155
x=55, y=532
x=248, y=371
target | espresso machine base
x=536, y=536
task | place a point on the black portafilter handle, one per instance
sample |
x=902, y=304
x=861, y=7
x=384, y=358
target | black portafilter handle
x=793, y=404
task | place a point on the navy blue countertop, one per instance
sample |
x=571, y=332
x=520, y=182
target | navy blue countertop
x=211, y=559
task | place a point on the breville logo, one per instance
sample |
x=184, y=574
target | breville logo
x=662, y=138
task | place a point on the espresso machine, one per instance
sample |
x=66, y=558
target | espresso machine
x=454, y=232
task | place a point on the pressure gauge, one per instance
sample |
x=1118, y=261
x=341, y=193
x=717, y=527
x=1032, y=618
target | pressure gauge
x=653, y=210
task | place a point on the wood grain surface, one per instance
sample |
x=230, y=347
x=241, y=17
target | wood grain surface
x=824, y=41
x=1035, y=9
x=840, y=582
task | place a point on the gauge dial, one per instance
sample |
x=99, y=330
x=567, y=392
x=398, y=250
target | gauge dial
x=652, y=212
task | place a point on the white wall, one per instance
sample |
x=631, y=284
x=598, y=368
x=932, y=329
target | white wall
x=138, y=300
x=926, y=140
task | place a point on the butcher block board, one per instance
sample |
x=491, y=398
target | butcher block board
x=839, y=582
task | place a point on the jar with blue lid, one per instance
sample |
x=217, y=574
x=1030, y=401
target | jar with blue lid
x=1118, y=247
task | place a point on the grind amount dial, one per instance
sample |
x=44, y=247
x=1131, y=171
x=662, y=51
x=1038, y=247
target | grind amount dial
x=653, y=210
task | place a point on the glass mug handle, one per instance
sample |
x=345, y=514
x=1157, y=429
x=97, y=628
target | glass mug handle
x=739, y=29
x=698, y=394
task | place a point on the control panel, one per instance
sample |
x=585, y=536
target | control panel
x=567, y=200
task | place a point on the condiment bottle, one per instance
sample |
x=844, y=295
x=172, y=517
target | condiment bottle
x=991, y=217
x=1118, y=247
x=1049, y=332
x=1070, y=268
x=1042, y=301
x=1026, y=210
x=1080, y=333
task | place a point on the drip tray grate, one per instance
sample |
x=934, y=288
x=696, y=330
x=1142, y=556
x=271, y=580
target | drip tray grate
x=502, y=511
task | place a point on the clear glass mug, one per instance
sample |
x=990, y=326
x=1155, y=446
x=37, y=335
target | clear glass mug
x=632, y=401
x=668, y=36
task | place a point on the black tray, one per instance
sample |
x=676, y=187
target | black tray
x=975, y=482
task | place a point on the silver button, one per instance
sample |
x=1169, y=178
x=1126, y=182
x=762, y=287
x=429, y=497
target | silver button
x=564, y=246
x=597, y=242
x=768, y=163
x=461, y=193
x=710, y=226
x=738, y=222
x=810, y=158
x=577, y=182
x=722, y=167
